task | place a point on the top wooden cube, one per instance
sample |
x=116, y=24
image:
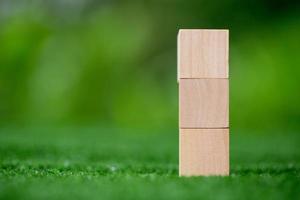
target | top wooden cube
x=202, y=53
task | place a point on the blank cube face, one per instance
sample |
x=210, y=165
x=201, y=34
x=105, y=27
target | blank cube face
x=203, y=54
x=204, y=152
x=203, y=103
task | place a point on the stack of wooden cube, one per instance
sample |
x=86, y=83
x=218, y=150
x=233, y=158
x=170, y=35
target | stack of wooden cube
x=203, y=102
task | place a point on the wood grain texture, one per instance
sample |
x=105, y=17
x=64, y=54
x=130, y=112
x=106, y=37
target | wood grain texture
x=203, y=103
x=202, y=53
x=204, y=152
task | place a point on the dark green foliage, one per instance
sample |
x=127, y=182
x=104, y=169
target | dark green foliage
x=88, y=61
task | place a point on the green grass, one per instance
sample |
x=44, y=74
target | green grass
x=98, y=163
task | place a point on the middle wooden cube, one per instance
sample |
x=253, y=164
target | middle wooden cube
x=203, y=103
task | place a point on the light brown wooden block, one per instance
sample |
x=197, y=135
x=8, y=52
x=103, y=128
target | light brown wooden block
x=204, y=152
x=203, y=103
x=202, y=53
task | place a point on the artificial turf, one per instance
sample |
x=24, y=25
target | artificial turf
x=106, y=163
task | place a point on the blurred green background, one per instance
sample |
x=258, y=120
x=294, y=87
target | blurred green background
x=113, y=62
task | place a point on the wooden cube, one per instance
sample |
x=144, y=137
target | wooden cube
x=202, y=53
x=203, y=152
x=203, y=103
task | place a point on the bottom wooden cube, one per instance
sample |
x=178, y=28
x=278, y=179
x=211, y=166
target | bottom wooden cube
x=203, y=152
